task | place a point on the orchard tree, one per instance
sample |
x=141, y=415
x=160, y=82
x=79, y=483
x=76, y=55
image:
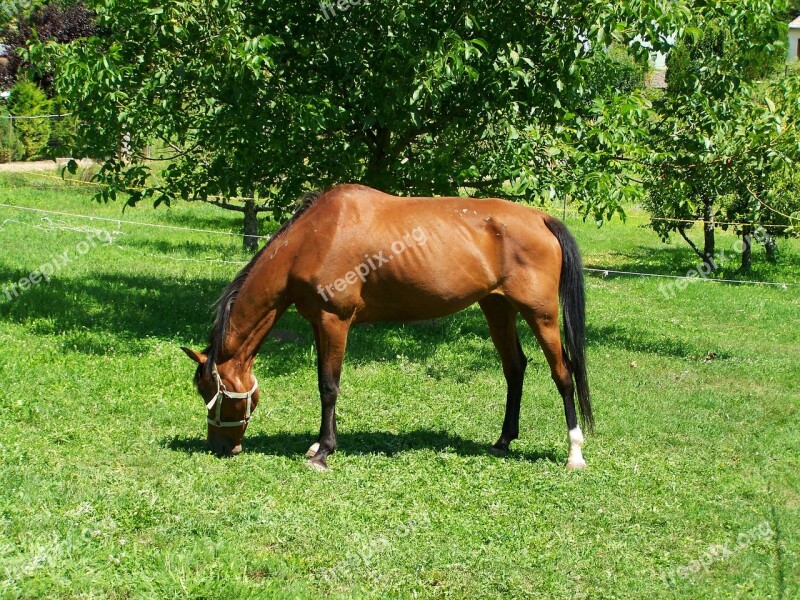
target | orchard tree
x=263, y=99
x=765, y=204
x=717, y=138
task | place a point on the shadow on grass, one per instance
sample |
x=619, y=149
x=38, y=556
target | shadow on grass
x=364, y=442
x=640, y=341
x=128, y=306
x=665, y=260
x=678, y=261
x=191, y=249
x=124, y=311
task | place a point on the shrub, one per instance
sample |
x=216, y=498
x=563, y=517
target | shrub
x=28, y=100
x=618, y=70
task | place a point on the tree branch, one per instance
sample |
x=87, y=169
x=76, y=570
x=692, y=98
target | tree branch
x=479, y=185
x=682, y=231
x=225, y=205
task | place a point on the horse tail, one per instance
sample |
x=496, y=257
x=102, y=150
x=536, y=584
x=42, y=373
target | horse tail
x=573, y=304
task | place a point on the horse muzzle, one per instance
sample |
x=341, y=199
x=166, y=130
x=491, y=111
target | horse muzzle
x=223, y=447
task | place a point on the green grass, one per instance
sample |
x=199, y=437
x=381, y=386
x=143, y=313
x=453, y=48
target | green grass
x=106, y=489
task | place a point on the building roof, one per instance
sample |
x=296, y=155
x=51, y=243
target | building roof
x=795, y=24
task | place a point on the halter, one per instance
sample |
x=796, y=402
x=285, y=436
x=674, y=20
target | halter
x=223, y=393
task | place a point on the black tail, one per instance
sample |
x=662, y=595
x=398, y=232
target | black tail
x=573, y=304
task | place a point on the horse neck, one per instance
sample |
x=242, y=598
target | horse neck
x=257, y=307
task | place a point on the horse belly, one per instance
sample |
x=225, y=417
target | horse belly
x=426, y=287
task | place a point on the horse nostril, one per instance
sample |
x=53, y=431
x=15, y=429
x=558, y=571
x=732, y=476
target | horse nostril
x=220, y=447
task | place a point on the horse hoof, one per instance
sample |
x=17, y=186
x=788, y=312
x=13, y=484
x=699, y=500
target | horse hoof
x=576, y=465
x=318, y=465
x=499, y=450
x=312, y=450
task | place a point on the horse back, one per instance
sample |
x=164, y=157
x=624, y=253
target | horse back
x=383, y=257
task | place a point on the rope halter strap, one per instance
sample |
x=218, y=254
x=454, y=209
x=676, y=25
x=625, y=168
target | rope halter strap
x=221, y=394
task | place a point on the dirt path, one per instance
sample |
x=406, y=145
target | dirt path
x=40, y=165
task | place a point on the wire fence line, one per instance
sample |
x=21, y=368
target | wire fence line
x=18, y=117
x=606, y=272
x=128, y=222
x=49, y=225
x=119, y=222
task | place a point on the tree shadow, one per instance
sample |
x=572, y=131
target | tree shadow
x=187, y=215
x=130, y=307
x=359, y=443
x=640, y=341
x=192, y=249
x=666, y=260
x=104, y=309
x=679, y=261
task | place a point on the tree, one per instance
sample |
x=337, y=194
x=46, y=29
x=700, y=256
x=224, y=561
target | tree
x=790, y=12
x=765, y=167
x=713, y=132
x=262, y=99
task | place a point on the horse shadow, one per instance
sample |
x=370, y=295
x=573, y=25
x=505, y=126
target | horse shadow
x=361, y=443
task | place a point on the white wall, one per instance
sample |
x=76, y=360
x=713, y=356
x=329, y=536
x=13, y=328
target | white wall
x=658, y=60
x=794, y=34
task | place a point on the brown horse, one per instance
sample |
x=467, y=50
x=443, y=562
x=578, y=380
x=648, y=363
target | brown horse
x=353, y=255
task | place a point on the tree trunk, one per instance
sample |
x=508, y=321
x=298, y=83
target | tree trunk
x=124, y=151
x=250, y=226
x=376, y=167
x=747, y=251
x=708, y=234
x=771, y=246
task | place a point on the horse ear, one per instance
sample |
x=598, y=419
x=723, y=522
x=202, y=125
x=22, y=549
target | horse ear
x=197, y=357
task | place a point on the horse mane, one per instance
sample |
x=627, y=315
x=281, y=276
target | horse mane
x=224, y=303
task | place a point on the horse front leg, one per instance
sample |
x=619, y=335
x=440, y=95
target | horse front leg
x=312, y=450
x=331, y=340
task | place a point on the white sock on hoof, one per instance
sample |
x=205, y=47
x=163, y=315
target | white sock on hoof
x=575, y=459
x=313, y=449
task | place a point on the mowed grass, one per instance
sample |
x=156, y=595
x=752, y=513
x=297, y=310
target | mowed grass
x=106, y=489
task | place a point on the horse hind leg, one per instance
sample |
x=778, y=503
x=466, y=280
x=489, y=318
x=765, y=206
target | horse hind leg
x=502, y=317
x=544, y=324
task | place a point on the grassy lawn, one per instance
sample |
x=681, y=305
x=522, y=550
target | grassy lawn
x=106, y=489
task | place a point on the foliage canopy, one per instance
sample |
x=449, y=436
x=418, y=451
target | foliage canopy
x=412, y=96
x=520, y=99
